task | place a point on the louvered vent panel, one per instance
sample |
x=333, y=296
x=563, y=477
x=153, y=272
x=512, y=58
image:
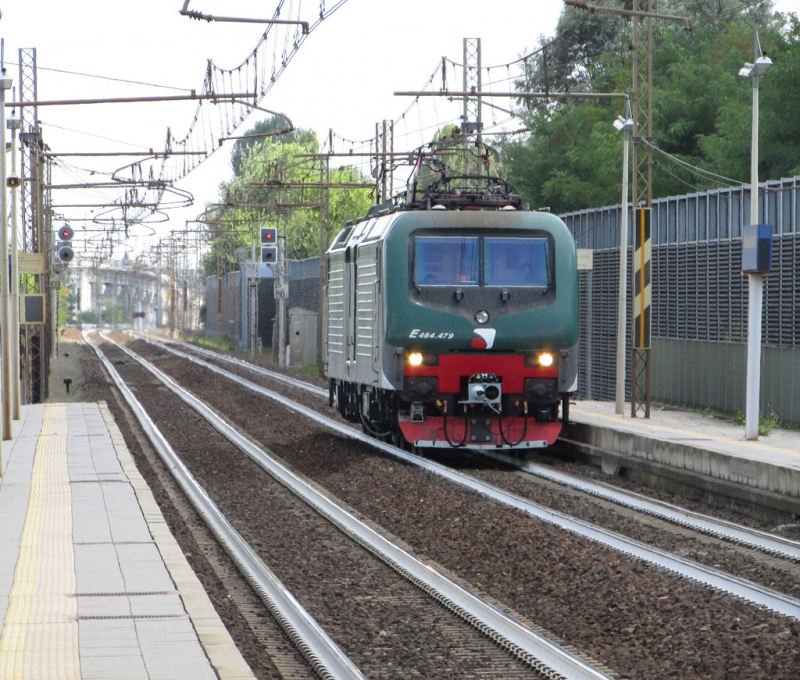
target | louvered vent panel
x=701, y=296
x=692, y=287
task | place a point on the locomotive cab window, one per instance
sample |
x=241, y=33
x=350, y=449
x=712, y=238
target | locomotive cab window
x=482, y=261
x=512, y=261
x=446, y=261
x=341, y=239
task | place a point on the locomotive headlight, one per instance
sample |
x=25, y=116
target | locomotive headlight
x=545, y=359
x=482, y=316
x=423, y=359
x=539, y=359
x=415, y=359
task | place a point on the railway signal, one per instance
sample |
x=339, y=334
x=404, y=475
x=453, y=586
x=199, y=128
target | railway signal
x=269, y=236
x=65, y=252
x=269, y=254
x=269, y=244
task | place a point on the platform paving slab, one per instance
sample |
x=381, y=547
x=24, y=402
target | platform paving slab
x=92, y=583
x=693, y=441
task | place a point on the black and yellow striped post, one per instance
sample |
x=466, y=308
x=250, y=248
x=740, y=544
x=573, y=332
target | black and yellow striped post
x=642, y=304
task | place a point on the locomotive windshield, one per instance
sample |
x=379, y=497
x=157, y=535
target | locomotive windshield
x=507, y=261
x=446, y=260
x=516, y=262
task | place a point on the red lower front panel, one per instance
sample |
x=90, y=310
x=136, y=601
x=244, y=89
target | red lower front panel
x=509, y=367
x=481, y=432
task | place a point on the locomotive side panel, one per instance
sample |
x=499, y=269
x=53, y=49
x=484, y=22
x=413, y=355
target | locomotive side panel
x=335, y=316
x=366, y=315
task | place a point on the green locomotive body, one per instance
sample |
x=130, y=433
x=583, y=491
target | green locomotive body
x=453, y=325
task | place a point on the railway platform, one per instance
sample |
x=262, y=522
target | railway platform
x=92, y=582
x=691, y=449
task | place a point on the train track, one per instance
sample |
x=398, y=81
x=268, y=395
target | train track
x=668, y=512
x=544, y=656
x=778, y=602
x=599, y=579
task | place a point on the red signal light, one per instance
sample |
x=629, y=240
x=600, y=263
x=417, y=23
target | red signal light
x=269, y=236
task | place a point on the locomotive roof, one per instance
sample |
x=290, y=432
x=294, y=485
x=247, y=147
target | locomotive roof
x=437, y=187
x=377, y=228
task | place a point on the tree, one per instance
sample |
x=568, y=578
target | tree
x=266, y=189
x=571, y=158
x=274, y=125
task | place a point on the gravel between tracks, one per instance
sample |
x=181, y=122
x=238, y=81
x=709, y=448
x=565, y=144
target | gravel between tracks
x=389, y=627
x=636, y=619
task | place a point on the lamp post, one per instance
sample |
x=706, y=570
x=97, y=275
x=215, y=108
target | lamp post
x=624, y=125
x=756, y=71
x=14, y=183
x=5, y=298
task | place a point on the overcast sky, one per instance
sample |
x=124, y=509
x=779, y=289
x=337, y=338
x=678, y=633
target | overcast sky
x=343, y=76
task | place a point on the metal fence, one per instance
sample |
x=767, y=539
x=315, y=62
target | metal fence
x=699, y=312
x=227, y=312
x=223, y=307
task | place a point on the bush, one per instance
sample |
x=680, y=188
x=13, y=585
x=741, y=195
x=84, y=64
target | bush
x=767, y=423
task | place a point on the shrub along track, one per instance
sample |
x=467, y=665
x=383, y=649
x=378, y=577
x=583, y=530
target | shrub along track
x=633, y=618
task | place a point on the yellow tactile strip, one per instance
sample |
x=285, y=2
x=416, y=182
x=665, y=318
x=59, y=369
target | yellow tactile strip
x=40, y=633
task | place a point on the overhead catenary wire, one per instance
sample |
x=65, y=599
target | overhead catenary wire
x=695, y=169
x=403, y=117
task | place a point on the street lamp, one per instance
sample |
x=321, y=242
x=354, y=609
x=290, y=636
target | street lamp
x=14, y=182
x=761, y=64
x=624, y=125
x=5, y=277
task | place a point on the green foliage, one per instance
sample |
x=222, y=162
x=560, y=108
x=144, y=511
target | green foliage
x=572, y=156
x=267, y=190
x=570, y=161
x=271, y=126
x=766, y=423
x=574, y=60
x=89, y=316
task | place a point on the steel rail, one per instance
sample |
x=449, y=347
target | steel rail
x=526, y=644
x=711, y=526
x=741, y=588
x=322, y=653
x=318, y=391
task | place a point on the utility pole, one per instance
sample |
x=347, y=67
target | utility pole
x=757, y=70
x=642, y=191
x=252, y=299
x=324, y=240
x=641, y=188
x=14, y=124
x=33, y=223
x=172, y=289
x=5, y=313
x=282, y=295
x=384, y=147
x=472, y=122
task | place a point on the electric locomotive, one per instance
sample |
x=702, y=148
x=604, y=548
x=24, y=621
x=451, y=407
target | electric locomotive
x=451, y=319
